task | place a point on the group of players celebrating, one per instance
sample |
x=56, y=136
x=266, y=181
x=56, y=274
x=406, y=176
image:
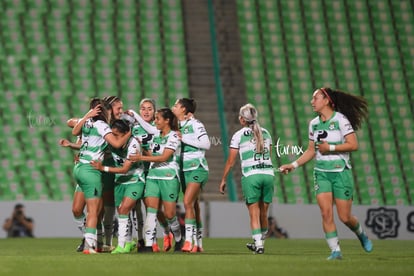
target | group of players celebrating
x=126, y=158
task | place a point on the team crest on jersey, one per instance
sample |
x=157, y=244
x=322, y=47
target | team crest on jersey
x=332, y=126
x=185, y=130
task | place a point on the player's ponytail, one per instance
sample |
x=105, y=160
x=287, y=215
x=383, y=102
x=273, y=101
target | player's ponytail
x=354, y=107
x=249, y=113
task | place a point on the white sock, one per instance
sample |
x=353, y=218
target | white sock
x=189, y=232
x=150, y=228
x=199, y=240
x=258, y=242
x=90, y=240
x=108, y=223
x=333, y=243
x=174, y=225
x=122, y=230
x=80, y=223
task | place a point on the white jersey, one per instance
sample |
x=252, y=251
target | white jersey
x=169, y=169
x=93, y=142
x=252, y=162
x=333, y=131
x=121, y=155
x=194, y=138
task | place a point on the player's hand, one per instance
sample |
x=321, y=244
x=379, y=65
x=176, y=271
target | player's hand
x=134, y=157
x=285, y=169
x=323, y=147
x=97, y=165
x=222, y=187
x=64, y=142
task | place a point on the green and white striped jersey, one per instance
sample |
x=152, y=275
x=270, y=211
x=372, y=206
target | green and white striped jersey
x=169, y=169
x=143, y=136
x=121, y=155
x=333, y=131
x=93, y=142
x=194, y=141
x=251, y=161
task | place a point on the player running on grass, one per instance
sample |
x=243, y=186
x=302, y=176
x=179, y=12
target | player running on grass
x=331, y=138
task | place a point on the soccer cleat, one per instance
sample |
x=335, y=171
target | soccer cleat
x=129, y=246
x=335, y=255
x=141, y=243
x=168, y=242
x=251, y=246
x=81, y=246
x=145, y=249
x=259, y=250
x=197, y=249
x=187, y=247
x=178, y=245
x=365, y=242
x=120, y=250
x=89, y=251
x=107, y=248
x=155, y=247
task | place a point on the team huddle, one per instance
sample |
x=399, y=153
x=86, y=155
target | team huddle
x=128, y=158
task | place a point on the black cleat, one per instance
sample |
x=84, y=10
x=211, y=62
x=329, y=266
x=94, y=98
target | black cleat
x=259, y=250
x=251, y=246
x=145, y=249
x=178, y=245
x=81, y=246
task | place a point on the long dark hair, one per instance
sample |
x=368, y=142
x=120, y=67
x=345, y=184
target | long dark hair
x=166, y=113
x=190, y=105
x=354, y=107
x=121, y=125
x=103, y=115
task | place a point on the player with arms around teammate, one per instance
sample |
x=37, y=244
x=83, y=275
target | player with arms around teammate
x=96, y=134
x=254, y=145
x=162, y=182
x=194, y=143
x=331, y=138
x=129, y=183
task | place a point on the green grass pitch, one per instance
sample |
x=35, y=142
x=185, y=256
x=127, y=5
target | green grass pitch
x=57, y=257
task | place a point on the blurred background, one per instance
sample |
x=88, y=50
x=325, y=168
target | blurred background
x=57, y=54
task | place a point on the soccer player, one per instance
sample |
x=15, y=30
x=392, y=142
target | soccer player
x=108, y=179
x=162, y=182
x=96, y=134
x=129, y=183
x=331, y=139
x=145, y=130
x=194, y=143
x=254, y=145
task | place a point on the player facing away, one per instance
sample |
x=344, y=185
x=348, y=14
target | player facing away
x=331, y=139
x=254, y=145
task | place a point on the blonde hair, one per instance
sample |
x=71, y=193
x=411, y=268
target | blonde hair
x=249, y=113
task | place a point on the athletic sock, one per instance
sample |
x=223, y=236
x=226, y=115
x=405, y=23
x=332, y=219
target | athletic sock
x=174, y=225
x=199, y=234
x=190, y=225
x=150, y=226
x=257, y=237
x=122, y=230
x=108, y=223
x=90, y=238
x=333, y=241
x=80, y=222
x=140, y=220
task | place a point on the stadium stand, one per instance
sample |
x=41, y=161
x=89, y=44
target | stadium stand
x=55, y=55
